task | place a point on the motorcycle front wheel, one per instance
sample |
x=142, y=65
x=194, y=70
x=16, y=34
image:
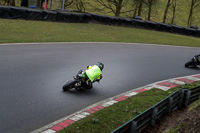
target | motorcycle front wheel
x=69, y=85
x=190, y=63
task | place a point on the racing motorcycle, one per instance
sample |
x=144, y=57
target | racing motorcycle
x=78, y=82
x=193, y=62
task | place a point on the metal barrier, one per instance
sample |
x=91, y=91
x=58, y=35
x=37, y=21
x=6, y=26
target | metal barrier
x=180, y=98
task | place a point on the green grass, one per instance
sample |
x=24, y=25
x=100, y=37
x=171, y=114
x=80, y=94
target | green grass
x=21, y=31
x=194, y=105
x=181, y=16
x=112, y=117
x=175, y=129
x=109, y=118
x=190, y=86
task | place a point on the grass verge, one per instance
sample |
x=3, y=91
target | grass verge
x=190, y=122
x=23, y=31
x=109, y=118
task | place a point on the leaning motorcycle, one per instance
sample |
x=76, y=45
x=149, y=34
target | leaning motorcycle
x=193, y=62
x=77, y=82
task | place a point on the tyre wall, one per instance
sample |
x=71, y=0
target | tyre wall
x=9, y=12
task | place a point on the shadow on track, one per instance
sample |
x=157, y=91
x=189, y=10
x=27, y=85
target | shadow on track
x=193, y=68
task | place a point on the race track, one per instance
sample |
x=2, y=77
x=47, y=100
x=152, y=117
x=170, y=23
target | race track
x=32, y=76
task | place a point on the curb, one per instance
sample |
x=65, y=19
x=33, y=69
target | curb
x=67, y=121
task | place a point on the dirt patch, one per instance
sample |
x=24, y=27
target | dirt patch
x=183, y=120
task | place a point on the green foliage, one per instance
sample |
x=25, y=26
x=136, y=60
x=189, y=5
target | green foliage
x=194, y=105
x=128, y=9
x=95, y=120
x=181, y=15
x=189, y=86
x=175, y=129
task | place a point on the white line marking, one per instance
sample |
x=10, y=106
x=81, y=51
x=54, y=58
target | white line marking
x=176, y=82
x=49, y=131
x=43, y=43
x=131, y=94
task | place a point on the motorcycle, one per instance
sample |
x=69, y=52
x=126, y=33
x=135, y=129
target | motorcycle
x=193, y=62
x=78, y=82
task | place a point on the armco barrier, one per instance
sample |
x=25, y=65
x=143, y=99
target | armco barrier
x=177, y=100
x=10, y=12
x=195, y=93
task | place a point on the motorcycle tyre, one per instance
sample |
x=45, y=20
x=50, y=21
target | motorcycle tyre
x=190, y=63
x=69, y=85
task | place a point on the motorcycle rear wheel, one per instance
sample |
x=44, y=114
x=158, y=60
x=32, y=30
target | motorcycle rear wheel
x=190, y=63
x=69, y=85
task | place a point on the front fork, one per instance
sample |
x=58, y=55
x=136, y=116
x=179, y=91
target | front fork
x=78, y=85
x=80, y=79
x=195, y=60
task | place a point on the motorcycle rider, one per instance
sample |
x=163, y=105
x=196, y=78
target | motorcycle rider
x=198, y=56
x=91, y=75
x=194, y=61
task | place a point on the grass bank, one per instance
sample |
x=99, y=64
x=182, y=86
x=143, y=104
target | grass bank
x=189, y=123
x=21, y=31
x=109, y=118
x=158, y=9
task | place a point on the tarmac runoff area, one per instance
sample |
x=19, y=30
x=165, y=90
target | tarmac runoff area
x=67, y=121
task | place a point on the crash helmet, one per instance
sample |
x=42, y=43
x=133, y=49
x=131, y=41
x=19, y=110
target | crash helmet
x=100, y=65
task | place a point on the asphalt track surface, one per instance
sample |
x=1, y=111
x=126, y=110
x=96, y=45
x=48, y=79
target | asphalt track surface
x=32, y=76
